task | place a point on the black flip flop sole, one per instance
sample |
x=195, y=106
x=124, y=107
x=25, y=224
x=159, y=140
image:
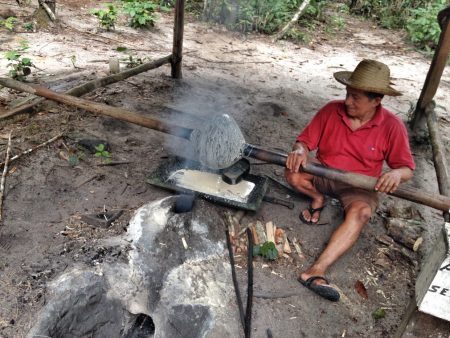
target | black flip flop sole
x=324, y=291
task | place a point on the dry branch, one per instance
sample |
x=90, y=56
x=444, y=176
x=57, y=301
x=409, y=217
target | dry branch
x=5, y=171
x=48, y=10
x=92, y=85
x=301, y=9
x=15, y=157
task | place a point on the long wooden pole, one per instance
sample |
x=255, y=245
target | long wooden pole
x=359, y=181
x=439, y=156
x=99, y=108
x=435, y=72
x=178, y=30
x=92, y=85
x=436, y=201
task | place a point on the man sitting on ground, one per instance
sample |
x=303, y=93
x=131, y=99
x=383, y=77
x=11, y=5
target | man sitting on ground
x=357, y=135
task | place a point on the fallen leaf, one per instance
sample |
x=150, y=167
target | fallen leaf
x=361, y=289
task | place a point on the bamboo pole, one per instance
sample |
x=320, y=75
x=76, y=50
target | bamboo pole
x=92, y=85
x=178, y=30
x=434, y=73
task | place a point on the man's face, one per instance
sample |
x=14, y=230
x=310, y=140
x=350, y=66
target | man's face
x=358, y=104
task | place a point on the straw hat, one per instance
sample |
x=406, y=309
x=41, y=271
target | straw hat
x=369, y=75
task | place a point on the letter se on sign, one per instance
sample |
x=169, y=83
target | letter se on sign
x=437, y=299
x=436, y=288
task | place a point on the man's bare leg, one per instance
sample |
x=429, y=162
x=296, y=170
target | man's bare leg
x=343, y=238
x=303, y=182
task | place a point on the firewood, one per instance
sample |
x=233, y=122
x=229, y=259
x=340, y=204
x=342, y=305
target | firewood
x=252, y=228
x=261, y=233
x=269, y=232
x=279, y=235
x=403, y=232
x=286, y=246
x=298, y=248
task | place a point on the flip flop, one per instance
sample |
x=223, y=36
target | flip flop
x=324, y=291
x=311, y=211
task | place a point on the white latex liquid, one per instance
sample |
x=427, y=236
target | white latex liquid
x=212, y=184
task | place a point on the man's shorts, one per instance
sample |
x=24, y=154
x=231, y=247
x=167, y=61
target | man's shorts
x=345, y=193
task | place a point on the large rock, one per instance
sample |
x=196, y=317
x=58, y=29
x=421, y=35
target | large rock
x=175, y=292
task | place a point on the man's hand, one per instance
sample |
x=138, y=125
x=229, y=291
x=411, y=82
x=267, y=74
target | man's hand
x=389, y=181
x=297, y=158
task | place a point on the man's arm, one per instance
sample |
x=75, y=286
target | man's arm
x=297, y=157
x=390, y=180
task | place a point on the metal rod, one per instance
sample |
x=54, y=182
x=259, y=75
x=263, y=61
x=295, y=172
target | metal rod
x=235, y=282
x=248, y=311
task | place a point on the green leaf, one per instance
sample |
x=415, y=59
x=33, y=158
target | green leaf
x=26, y=61
x=269, y=251
x=379, y=313
x=121, y=49
x=100, y=147
x=12, y=55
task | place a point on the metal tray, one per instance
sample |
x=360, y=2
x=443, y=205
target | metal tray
x=160, y=177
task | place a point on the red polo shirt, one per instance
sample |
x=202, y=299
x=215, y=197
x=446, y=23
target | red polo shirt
x=363, y=150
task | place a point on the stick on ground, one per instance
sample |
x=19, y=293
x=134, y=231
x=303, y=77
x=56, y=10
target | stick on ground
x=15, y=157
x=5, y=171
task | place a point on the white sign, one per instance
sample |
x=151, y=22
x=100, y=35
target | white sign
x=437, y=299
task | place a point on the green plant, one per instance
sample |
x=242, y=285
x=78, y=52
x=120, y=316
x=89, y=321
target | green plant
x=107, y=17
x=266, y=250
x=100, y=151
x=379, y=313
x=28, y=26
x=20, y=66
x=74, y=160
x=297, y=35
x=134, y=62
x=389, y=13
x=265, y=16
x=9, y=23
x=338, y=22
x=142, y=13
x=423, y=28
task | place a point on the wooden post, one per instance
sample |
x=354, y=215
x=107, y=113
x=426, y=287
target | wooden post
x=435, y=72
x=439, y=157
x=178, y=29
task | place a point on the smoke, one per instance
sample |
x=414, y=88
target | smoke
x=216, y=140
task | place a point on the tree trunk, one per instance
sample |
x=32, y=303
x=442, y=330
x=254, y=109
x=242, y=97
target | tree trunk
x=45, y=15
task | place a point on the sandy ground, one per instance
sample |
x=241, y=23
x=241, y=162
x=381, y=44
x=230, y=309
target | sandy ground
x=271, y=89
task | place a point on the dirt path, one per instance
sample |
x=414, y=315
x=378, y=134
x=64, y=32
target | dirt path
x=272, y=90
